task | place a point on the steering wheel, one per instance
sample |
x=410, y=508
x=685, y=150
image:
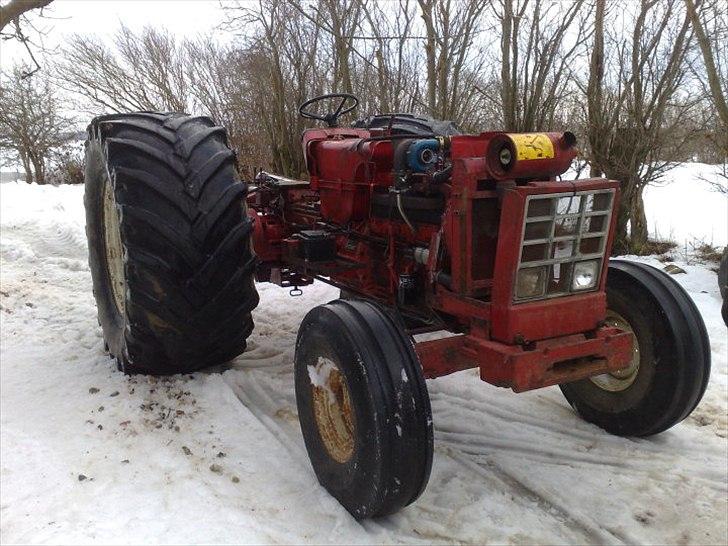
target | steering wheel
x=331, y=119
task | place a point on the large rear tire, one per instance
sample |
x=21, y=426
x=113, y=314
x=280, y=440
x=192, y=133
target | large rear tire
x=671, y=366
x=169, y=242
x=363, y=407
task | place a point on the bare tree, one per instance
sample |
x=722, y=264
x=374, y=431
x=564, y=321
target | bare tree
x=14, y=21
x=340, y=19
x=712, y=44
x=31, y=123
x=426, y=56
x=284, y=63
x=636, y=114
x=145, y=71
x=539, y=42
x=390, y=72
x=710, y=24
x=219, y=85
x=452, y=59
x=595, y=89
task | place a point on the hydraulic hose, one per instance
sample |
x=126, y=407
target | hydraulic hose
x=400, y=208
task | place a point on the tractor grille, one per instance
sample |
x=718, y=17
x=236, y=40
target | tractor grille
x=564, y=238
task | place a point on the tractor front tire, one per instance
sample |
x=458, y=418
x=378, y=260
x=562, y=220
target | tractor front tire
x=671, y=363
x=169, y=242
x=363, y=407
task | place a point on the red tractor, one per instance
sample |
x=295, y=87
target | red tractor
x=424, y=230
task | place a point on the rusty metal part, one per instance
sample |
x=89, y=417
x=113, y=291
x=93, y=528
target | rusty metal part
x=548, y=362
x=114, y=248
x=333, y=412
x=620, y=380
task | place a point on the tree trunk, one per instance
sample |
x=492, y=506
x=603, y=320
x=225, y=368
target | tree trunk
x=26, y=166
x=426, y=7
x=710, y=68
x=28, y=174
x=507, y=98
x=443, y=67
x=595, y=104
x=382, y=81
x=638, y=221
x=621, y=239
x=282, y=153
x=39, y=168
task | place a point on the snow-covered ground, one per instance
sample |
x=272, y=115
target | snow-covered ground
x=89, y=455
x=685, y=208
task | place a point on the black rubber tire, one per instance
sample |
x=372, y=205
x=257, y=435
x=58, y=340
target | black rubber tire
x=674, y=355
x=185, y=232
x=393, y=443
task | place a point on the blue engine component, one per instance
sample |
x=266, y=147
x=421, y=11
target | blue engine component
x=422, y=154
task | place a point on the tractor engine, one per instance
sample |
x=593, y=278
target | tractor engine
x=378, y=202
x=471, y=234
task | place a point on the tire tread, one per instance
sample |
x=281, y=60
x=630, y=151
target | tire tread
x=190, y=262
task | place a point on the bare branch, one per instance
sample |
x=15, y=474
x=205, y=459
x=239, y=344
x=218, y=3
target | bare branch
x=15, y=8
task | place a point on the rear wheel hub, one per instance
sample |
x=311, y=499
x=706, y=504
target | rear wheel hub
x=114, y=248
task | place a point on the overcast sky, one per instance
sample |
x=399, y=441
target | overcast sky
x=103, y=17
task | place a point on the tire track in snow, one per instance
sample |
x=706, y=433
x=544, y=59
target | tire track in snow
x=260, y=403
x=590, y=529
x=473, y=439
x=481, y=409
x=487, y=437
x=259, y=357
x=440, y=395
x=477, y=445
x=471, y=449
x=49, y=239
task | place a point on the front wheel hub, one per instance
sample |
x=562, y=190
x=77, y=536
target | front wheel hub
x=332, y=409
x=621, y=379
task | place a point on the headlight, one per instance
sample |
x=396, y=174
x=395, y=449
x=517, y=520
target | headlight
x=531, y=282
x=585, y=275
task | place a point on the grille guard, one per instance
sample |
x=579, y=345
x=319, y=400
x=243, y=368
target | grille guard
x=559, y=231
x=542, y=318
